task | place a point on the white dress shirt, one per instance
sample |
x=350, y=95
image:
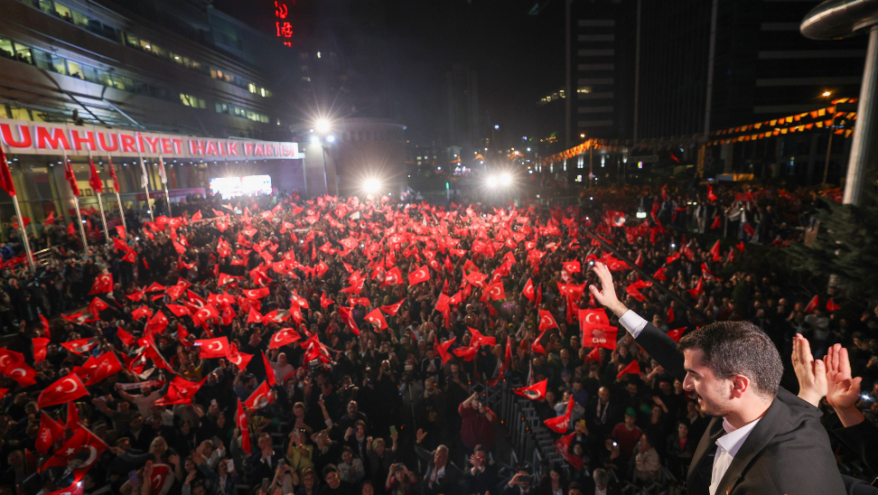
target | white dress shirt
x=727, y=447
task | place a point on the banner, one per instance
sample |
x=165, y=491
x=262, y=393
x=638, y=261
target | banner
x=38, y=138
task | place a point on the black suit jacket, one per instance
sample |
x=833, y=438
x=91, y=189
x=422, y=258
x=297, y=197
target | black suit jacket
x=787, y=452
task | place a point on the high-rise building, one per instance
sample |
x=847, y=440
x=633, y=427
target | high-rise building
x=171, y=71
x=464, y=122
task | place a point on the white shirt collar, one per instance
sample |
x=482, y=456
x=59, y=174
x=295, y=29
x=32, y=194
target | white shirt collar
x=732, y=441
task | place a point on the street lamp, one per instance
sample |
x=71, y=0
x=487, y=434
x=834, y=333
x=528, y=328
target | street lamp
x=372, y=186
x=322, y=126
x=826, y=94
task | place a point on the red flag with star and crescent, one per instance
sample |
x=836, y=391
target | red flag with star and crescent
x=78, y=453
x=537, y=391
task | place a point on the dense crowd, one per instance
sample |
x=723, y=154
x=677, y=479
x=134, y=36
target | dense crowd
x=330, y=346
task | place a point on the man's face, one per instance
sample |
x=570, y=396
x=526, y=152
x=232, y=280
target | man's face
x=629, y=421
x=137, y=422
x=714, y=395
x=352, y=409
x=440, y=457
x=480, y=458
x=265, y=443
x=332, y=480
x=604, y=394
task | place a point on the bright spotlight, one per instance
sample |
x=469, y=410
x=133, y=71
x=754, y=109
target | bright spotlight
x=492, y=181
x=315, y=139
x=330, y=138
x=322, y=125
x=372, y=185
x=826, y=93
x=505, y=179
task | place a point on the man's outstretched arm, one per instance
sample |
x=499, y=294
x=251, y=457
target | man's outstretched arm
x=659, y=346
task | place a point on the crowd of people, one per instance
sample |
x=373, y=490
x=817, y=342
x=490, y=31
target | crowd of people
x=274, y=345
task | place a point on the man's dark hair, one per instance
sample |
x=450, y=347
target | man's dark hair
x=738, y=348
x=329, y=468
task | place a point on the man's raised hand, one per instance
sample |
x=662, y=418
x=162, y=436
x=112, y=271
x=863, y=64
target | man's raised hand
x=843, y=391
x=606, y=296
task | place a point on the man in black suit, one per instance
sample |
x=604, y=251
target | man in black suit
x=762, y=439
x=441, y=476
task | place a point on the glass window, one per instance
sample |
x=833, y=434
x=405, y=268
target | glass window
x=104, y=78
x=58, y=65
x=132, y=40
x=80, y=20
x=22, y=53
x=251, y=87
x=63, y=12
x=176, y=58
x=47, y=6
x=122, y=82
x=145, y=45
x=19, y=113
x=90, y=74
x=42, y=59
x=6, y=48
x=74, y=69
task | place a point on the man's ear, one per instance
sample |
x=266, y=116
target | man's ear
x=740, y=386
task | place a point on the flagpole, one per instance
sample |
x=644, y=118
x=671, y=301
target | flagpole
x=145, y=181
x=11, y=186
x=78, y=213
x=118, y=199
x=164, y=176
x=101, y=206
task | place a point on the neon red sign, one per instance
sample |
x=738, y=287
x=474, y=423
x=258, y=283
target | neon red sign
x=284, y=28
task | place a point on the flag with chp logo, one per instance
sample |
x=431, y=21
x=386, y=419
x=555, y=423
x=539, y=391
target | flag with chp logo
x=561, y=423
x=77, y=454
x=537, y=391
x=50, y=431
x=596, y=329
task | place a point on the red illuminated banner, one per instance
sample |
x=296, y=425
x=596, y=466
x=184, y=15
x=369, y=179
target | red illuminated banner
x=25, y=137
x=284, y=28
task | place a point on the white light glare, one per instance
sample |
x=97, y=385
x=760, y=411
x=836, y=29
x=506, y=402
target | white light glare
x=315, y=139
x=330, y=138
x=505, y=179
x=372, y=185
x=322, y=125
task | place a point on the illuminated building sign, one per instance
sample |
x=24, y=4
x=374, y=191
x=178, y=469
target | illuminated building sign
x=283, y=27
x=26, y=137
x=231, y=187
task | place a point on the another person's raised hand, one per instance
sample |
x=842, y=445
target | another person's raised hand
x=843, y=391
x=606, y=296
x=810, y=372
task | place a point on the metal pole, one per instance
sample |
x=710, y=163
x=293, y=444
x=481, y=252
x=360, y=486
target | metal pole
x=30, y=256
x=863, y=148
x=165, y=182
x=146, y=188
x=118, y=198
x=101, y=207
x=590, y=167
x=828, y=151
x=78, y=213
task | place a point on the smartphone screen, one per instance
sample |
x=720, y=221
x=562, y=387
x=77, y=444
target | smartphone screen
x=392, y=430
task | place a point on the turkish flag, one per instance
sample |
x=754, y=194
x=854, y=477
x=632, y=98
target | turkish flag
x=536, y=346
x=324, y=301
x=256, y=293
x=562, y=446
x=479, y=340
x=106, y=365
x=376, y=319
x=82, y=450
x=392, y=309
x=537, y=391
x=45, y=324
x=632, y=368
x=706, y=273
x=669, y=318
x=103, y=284
x=659, y=274
x=594, y=355
x=717, y=223
x=710, y=195
x=495, y=291
x=561, y=423
x=812, y=305
x=141, y=312
x=392, y=277
x=178, y=310
x=572, y=266
x=50, y=430
x=442, y=348
x=74, y=489
x=672, y=258
x=241, y=424
x=180, y=391
x=528, y=290
x=239, y=359
x=639, y=260
x=260, y=397
x=64, y=390
x=81, y=345
x=157, y=324
x=158, y=478
x=831, y=306
x=466, y=353
x=547, y=321
x=596, y=331
x=213, y=348
x=206, y=312
x=155, y=287
x=40, y=348
x=253, y=316
x=284, y=336
x=676, y=333
x=418, y=276
x=96, y=306
x=196, y=217
x=126, y=338
x=616, y=218
x=715, y=252
x=348, y=318
x=72, y=416
x=696, y=291
x=269, y=371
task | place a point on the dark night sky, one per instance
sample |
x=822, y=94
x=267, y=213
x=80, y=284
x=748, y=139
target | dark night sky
x=518, y=56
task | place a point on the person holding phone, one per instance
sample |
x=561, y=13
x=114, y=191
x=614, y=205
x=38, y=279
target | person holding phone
x=520, y=484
